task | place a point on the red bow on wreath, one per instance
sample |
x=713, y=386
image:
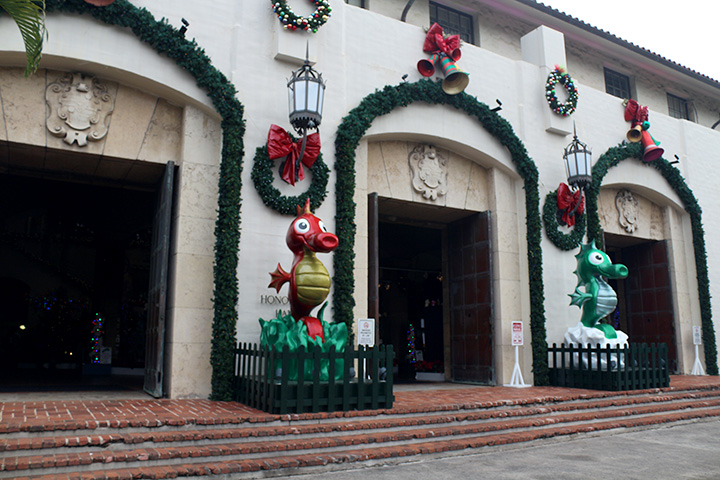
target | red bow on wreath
x=635, y=113
x=280, y=144
x=435, y=42
x=566, y=201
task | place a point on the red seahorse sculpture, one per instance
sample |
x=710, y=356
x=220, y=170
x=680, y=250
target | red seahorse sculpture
x=308, y=277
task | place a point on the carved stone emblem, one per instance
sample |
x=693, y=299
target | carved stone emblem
x=429, y=171
x=627, y=206
x=79, y=107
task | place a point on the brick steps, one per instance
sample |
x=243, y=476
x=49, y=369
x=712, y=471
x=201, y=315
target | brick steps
x=306, y=440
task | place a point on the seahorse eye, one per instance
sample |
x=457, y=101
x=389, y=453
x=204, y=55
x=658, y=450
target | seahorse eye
x=302, y=226
x=322, y=226
x=596, y=258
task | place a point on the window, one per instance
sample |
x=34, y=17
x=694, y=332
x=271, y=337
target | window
x=357, y=3
x=617, y=84
x=678, y=107
x=452, y=22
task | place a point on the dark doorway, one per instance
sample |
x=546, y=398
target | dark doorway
x=410, y=296
x=75, y=266
x=645, y=307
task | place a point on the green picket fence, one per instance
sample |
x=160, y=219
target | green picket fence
x=280, y=381
x=638, y=366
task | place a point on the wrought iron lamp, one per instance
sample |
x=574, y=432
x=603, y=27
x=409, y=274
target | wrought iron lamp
x=578, y=167
x=306, y=93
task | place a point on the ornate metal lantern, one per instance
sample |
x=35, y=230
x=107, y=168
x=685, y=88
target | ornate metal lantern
x=306, y=92
x=578, y=163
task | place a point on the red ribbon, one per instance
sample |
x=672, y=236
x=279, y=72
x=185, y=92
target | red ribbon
x=435, y=42
x=280, y=144
x=566, y=201
x=635, y=113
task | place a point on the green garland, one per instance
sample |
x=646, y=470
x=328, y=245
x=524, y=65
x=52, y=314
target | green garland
x=168, y=41
x=612, y=158
x=349, y=134
x=563, y=241
x=312, y=22
x=564, y=79
x=263, y=174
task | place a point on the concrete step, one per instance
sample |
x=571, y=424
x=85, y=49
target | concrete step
x=304, y=440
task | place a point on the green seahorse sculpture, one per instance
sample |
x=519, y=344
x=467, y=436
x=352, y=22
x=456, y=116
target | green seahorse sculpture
x=597, y=299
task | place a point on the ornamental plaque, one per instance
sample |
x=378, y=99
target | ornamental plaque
x=79, y=108
x=429, y=171
x=627, y=206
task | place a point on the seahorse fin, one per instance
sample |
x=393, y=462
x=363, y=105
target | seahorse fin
x=279, y=277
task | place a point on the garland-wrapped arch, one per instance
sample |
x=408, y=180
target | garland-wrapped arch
x=349, y=134
x=611, y=158
x=167, y=40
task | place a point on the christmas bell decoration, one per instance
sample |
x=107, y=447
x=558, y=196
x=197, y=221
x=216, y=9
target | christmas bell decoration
x=651, y=149
x=445, y=52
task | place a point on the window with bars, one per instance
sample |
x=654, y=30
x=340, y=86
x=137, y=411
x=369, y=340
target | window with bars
x=678, y=107
x=617, y=84
x=453, y=22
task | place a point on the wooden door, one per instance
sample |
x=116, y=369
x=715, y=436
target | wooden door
x=157, y=294
x=470, y=282
x=649, y=297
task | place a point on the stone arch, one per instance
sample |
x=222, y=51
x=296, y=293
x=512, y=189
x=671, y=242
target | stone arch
x=168, y=41
x=611, y=158
x=349, y=134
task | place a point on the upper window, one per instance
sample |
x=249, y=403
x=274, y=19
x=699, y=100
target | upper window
x=678, y=107
x=617, y=84
x=357, y=3
x=453, y=22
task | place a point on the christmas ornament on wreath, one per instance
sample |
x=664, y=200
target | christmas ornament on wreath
x=292, y=21
x=559, y=75
x=445, y=51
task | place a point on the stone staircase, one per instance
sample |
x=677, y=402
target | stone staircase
x=261, y=445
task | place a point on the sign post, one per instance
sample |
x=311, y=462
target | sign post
x=516, y=337
x=366, y=337
x=697, y=341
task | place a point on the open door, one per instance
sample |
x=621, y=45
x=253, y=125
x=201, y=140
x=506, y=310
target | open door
x=157, y=294
x=470, y=272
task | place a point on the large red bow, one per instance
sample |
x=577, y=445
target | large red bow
x=280, y=144
x=635, y=113
x=566, y=201
x=435, y=42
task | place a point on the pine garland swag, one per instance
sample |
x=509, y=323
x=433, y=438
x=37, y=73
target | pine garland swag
x=168, y=41
x=262, y=176
x=611, y=158
x=563, y=241
x=348, y=137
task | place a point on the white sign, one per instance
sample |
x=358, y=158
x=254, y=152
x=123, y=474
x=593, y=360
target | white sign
x=517, y=333
x=697, y=336
x=366, y=332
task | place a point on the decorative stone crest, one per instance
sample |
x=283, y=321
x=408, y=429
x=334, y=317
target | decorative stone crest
x=79, y=108
x=429, y=171
x=627, y=206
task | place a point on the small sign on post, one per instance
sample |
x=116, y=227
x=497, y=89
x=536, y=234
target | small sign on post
x=517, y=333
x=697, y=341
x=366, y=332
x=516, y=339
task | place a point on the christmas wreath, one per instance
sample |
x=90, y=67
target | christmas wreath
x=560, y=76
x=312, y=22
x=561, y=240
x=262, y=176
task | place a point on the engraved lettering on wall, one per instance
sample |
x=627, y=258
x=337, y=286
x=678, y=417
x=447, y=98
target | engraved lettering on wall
x=79, y=107
x=429, y=171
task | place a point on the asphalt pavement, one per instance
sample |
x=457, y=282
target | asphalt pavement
x=681, y=451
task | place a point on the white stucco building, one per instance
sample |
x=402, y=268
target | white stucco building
x=454, y=256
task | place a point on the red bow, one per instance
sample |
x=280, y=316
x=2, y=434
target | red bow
x=280, y=144
x=635, y=113
x=566, y=201
x=436, y=43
